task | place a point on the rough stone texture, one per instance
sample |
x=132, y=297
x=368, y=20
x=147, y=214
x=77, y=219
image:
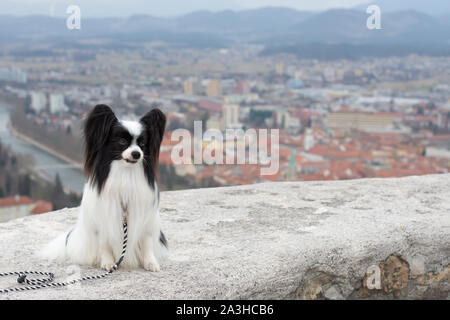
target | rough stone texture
x=291, y=240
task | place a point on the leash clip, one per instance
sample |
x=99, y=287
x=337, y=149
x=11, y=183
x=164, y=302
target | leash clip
x=21, y=279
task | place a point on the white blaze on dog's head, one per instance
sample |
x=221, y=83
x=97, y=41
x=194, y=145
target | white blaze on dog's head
x=133, y=153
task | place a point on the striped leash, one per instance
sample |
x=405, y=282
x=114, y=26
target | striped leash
x=47, y=282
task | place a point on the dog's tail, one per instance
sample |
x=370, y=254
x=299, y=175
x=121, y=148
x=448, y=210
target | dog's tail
x=56, y=249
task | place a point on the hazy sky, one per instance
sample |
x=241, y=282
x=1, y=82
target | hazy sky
x=301, y=4
x=159, y=7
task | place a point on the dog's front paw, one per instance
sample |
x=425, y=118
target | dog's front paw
x=152, y=266
x=107, y=265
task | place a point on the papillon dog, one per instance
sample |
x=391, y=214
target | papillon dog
x=121, y=160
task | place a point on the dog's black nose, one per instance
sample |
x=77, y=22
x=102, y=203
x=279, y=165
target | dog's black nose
x=136, y=155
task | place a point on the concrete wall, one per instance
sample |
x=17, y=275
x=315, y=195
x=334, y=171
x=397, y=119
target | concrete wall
x=292, y=240
x=13, y=212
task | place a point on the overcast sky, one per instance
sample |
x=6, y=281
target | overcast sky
x=96, y=8
x=301, y=4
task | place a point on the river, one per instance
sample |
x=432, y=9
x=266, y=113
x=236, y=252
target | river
x=48, y=164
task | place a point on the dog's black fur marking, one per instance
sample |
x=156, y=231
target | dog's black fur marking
x=97, y=131
x=154, y=123
x=163, y=240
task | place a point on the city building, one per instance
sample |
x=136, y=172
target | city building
x=13, y=74
x=284, y=120
x=213, y=88
x=213, y=123
x=192, y=86
x=230, y=116
x=279, y=69
x=295, y=84
x=38, y=101
x=370, y=122
x=57, y=103
x=242, y=87
x=309, y=140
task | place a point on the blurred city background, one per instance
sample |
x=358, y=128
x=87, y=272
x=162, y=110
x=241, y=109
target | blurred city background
x=349, y=102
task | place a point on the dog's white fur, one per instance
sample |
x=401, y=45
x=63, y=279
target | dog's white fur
x=97, y=236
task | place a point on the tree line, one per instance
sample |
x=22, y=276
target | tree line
x=17, y=178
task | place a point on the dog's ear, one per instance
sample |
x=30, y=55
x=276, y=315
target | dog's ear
x=155, y=123
x=97, y=129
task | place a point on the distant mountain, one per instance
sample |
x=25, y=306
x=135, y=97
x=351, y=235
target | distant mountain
x=277, y=28
x=432, y=7
x=114, y=8
x=349, y=26
x=257, y=21
x=240, y=25
x=343, y=34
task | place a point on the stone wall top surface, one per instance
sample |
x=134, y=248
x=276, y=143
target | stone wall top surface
x=274, y=240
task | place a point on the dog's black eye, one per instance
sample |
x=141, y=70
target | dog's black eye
x=141, y=141
x=123, y=141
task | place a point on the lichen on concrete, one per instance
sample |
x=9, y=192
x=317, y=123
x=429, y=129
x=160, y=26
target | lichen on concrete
x=289, y=240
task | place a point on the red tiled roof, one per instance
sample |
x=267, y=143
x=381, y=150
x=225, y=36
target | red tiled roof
x=440, y=137
x=165, y=157
x=392, y=114
x=42, y=207
x=283, y=152
x=307, y=164
x=319, y=149
x=210, y=105
x=15, y=201
x=167, y=141
x=299, y=158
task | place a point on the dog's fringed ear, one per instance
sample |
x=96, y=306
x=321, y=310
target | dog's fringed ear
x=155, y=123
x=97, y=129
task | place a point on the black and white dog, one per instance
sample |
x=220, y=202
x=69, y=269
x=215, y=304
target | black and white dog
x=121, y=159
